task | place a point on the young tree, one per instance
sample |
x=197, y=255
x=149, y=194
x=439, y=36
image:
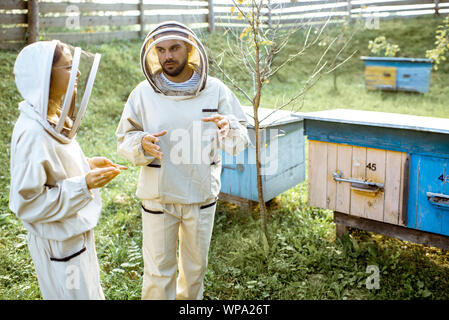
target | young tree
x=380, y=46
x=441, y=49
x=259, y=48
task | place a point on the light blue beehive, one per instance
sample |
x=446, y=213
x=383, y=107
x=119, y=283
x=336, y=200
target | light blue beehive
x=397, y=74
x=283, y=161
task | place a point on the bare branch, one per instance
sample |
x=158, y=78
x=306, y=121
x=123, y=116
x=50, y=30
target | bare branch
x=274, y=49
x=234, y=84
x=342, y=48
x=259, y=62
x=324, y=53
x=308, y=34
x=245, y=57
x=300, y=52
x=305, y=89
x=340, y=64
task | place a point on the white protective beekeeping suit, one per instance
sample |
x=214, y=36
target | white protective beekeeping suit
x=48, y=188
x=179, y=192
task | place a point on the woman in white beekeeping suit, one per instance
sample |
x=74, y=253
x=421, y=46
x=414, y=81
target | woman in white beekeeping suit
x=53, y=185
x=172, y=127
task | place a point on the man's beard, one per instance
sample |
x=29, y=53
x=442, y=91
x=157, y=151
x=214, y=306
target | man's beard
x=175, y=72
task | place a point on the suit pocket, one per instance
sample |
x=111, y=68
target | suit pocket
x=148, y=182
x=64, y=251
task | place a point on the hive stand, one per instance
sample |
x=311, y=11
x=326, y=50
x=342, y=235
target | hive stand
x=245, y=205
x=343, y=222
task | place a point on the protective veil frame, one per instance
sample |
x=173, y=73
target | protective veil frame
x=181, y=29
x=86, y=95
x=175, y=37
x=69, y=93
x=70, y=90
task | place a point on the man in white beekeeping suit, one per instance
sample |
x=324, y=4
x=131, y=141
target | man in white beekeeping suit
x=172, y=127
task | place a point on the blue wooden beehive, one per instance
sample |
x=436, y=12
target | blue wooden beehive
x=392, y=169
x=283, y=160
x=397, y=74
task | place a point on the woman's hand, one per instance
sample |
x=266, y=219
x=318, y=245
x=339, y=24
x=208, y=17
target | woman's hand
x=103, y=162
x=102, y=172
x=98, y=177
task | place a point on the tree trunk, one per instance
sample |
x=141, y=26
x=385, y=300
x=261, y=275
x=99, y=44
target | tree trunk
x=256, y=103
x=263, y=210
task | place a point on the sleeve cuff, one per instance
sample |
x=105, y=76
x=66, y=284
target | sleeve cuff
x=141, y=157
x=80, y=186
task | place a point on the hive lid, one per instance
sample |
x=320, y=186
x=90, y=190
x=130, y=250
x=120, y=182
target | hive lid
x=271, y=117
x=396, y=59
x=381, y=119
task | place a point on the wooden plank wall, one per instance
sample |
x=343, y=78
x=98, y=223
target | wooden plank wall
x=123, y=21
x=363, y=164
x=287, y=14
x=99, y=22
x=90, y=22
x=13, y=23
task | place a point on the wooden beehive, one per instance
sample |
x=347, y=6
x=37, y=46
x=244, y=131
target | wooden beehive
x=397, y=74
x=381, y=170
x=284, y=163
x=375, y=181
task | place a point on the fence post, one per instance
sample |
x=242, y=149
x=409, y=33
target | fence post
x=33, y=21
x=270, y=23
x=349, y=11
x=436, y=7
x=211, y=17
x=142, y=19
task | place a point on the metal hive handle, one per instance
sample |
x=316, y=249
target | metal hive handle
x=356, y=184
x=438, y=199
x=239, y=167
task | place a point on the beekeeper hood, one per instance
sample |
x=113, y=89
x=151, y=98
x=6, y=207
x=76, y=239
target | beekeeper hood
x=75, y=69
x=196, y=58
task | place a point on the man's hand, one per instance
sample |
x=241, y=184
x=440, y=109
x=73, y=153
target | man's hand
x=149, y=144
x=103, y=162
x=222, y=123
x=98, y=177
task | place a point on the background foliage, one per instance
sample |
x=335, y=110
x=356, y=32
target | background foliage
x=306, y=261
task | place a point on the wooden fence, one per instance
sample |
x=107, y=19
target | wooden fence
x=25, y=21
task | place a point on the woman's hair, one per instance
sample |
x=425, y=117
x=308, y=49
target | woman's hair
x=58, y=53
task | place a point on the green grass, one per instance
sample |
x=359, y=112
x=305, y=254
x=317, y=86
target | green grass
x=305, y=261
